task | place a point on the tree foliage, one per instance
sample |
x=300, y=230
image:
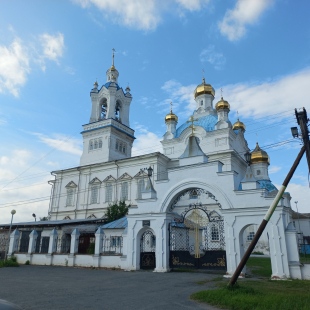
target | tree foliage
x=116, y=211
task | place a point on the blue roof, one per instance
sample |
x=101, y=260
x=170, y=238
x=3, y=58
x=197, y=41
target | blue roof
x=206, y=122
x=120, y=223
x=266, y=184
x=107, y=85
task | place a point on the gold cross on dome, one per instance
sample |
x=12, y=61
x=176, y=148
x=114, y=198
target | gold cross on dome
x=171, y=107
x=191, y=120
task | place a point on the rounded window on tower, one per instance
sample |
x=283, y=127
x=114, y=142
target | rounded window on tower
x=91, y=145
x=96, y=144
x=100, y=143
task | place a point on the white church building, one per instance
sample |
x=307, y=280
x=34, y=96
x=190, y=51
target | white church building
x=190, y=206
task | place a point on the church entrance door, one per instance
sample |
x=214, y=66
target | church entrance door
x=197, y=240
x=147, y=250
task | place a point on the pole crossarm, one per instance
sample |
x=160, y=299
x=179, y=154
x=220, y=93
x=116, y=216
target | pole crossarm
x=302, y=121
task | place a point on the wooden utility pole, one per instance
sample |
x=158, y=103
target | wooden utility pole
x=302, y=121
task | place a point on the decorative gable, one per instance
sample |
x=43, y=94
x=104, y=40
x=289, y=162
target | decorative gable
x=124, y=177
x=95, y=181
x=109, y=179
x=71, y=184
x=141, y=174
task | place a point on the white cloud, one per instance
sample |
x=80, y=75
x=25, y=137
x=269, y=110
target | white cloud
x=274, y=169
x=216, y=59
x=15, y=186
x=266, y=98
x=180, y=95
x=300, y=193
x=62, y=143
x=146, y=142
x=53, y=46
x=17, y=58
x=253, y=100
x=192, y=5
x=141, y=14
x=246, y=12
x=14, y=67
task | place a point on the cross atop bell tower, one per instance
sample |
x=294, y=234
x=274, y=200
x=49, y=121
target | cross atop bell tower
x=108, y=136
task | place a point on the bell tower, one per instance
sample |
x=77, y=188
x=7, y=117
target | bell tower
x=108, y=136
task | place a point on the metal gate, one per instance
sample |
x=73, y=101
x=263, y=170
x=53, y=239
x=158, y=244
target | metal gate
x=197, y=240
x=147, y=250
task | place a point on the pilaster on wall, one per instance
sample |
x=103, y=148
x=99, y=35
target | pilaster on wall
x=278, y=248
x=74, y=246
x=14, y=239
x=32, y=241
x=53, y=241
x=232, y=257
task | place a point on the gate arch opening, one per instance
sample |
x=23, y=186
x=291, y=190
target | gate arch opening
x=147, y=250
x=196, y=235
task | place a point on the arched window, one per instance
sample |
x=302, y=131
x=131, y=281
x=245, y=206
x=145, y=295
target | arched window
x=94, y=194
x=117, y=111
x=140, y=188
x=108, y=192
x=91, y=145
x=103, y=111
x=96, y=144
x=124, y=191
x=100, y=143
x=70, y=196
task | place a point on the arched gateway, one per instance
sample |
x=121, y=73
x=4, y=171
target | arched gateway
x=196, y=235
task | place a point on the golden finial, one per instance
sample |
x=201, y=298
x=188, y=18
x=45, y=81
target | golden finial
x=171, y=107
x=113, y=51
x=221, y=93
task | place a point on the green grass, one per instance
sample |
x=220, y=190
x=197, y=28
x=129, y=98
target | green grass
x=11, y=262
x=259, y=266
x=259, y=295
x=304, y=258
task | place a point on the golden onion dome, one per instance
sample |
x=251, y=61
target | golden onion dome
x=238, y=125
x=222, y=104
x=259, y=156
x=204, y=88
x=171, y=117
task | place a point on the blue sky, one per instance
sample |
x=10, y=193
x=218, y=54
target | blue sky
x=51, y=53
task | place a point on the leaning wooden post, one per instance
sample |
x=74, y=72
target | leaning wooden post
x=266, y=219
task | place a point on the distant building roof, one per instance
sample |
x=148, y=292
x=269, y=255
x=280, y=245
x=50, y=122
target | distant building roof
x=118, y=224
x=53, y=223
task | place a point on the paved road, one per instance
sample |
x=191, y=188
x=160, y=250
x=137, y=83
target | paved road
x=48, y=287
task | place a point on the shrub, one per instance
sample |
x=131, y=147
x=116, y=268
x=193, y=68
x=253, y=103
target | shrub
x=11, y=262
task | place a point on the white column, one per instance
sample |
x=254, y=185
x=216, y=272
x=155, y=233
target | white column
x=53, y=241
x=74, y=246
x=98, y=247
x=98, y=240
x=32, y=241
x=14, y=239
